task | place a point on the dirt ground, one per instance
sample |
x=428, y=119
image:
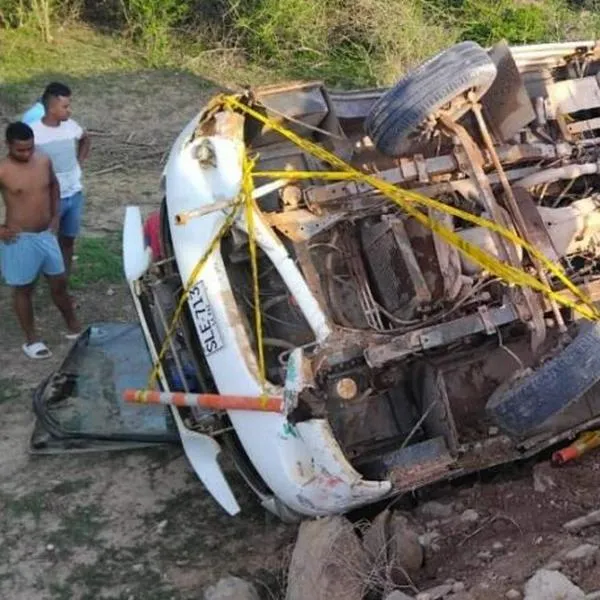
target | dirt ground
x=517, y=530
x=139, y=525
x=127, y=524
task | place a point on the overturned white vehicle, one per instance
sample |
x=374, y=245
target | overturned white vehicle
x=410, y=364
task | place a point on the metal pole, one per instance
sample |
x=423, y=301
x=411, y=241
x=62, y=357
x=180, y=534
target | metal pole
x=514, y=208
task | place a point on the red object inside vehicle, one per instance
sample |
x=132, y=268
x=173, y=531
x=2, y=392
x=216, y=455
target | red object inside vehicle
x=152, y=234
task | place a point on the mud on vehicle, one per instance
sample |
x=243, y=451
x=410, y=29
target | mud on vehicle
x=416, y=365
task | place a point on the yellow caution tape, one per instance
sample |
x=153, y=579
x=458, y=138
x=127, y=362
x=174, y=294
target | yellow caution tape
x=405, y=198
x=247, y=189
x=250, y=206
x=188, y=286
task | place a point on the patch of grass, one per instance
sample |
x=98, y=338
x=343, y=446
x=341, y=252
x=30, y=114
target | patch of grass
x=98, y=260
x=28, y=63
x=347, y=43
x=9, y=390
x=78, y=51
x=78, y=528
x=526, y=22
x=34, y=503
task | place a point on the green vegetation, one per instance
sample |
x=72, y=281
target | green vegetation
x=9, y=390
x=98, y=260
x=78, y=527
x=33, y=503
x=346, y=42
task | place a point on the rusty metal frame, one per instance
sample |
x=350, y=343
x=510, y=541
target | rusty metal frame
x=417, y=169
x=513, y=207
x=527, y=302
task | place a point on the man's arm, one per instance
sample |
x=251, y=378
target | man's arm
x=7, y=234
x=54, y=198
x=83, y=146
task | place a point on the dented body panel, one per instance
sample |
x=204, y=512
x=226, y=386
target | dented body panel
x=381, y=338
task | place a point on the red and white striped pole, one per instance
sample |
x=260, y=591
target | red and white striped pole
x=213, y=401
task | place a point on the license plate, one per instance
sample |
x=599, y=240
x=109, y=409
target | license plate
x=210, y=338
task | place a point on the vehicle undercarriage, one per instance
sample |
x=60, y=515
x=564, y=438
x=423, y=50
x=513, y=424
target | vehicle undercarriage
x=423, y=364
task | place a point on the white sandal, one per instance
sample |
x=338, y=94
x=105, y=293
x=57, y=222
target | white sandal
x=73, y=336
x=36, y=351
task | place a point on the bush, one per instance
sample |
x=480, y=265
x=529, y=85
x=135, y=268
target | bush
x=37, y=13
x=18, y=13
x=522, y=22
x=12, y=13
x=345, y=42
x=358, y=42
x=488, y=22
x=150, y=24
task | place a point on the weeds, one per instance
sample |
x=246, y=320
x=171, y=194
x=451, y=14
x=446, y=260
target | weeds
x=347, y=43
x=149, y=22
x=43, y=13
x=98, y=260
x=9, y=390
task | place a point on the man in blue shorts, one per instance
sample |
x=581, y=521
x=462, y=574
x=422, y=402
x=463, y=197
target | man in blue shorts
x=28, y=243
x=67, y=145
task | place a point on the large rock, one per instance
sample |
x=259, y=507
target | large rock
x=393, y=547
x=328, y=562
x=231, y=588
x=552, y=585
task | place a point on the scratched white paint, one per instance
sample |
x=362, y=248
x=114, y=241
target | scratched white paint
x=304, y=465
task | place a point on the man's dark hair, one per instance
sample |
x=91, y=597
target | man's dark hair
x=55, y=90
x=18, y=132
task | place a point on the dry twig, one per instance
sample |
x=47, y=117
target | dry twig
x=108, y=169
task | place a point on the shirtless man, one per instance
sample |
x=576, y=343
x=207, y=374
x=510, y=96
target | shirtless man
x=28, y=242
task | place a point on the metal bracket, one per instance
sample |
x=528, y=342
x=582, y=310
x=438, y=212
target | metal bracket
x=422, y=173
x=488, y=324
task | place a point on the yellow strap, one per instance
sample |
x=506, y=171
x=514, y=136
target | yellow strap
x=247, y=189
x=404, y=199
x=188, y=286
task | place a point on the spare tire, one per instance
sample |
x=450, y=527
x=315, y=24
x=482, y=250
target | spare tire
x=522, y=407
x=425, y=90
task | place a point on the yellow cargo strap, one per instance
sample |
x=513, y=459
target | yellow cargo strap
x=250, y=206
x=406, y=199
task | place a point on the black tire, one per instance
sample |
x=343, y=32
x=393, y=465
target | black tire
x=426, y=89
x=523, y=408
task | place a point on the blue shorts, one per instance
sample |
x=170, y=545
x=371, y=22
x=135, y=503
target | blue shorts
x=71, y=208
x=29, y=255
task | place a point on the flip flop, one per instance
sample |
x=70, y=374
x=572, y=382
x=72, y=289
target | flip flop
x=73, y=336
x=36, y=351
